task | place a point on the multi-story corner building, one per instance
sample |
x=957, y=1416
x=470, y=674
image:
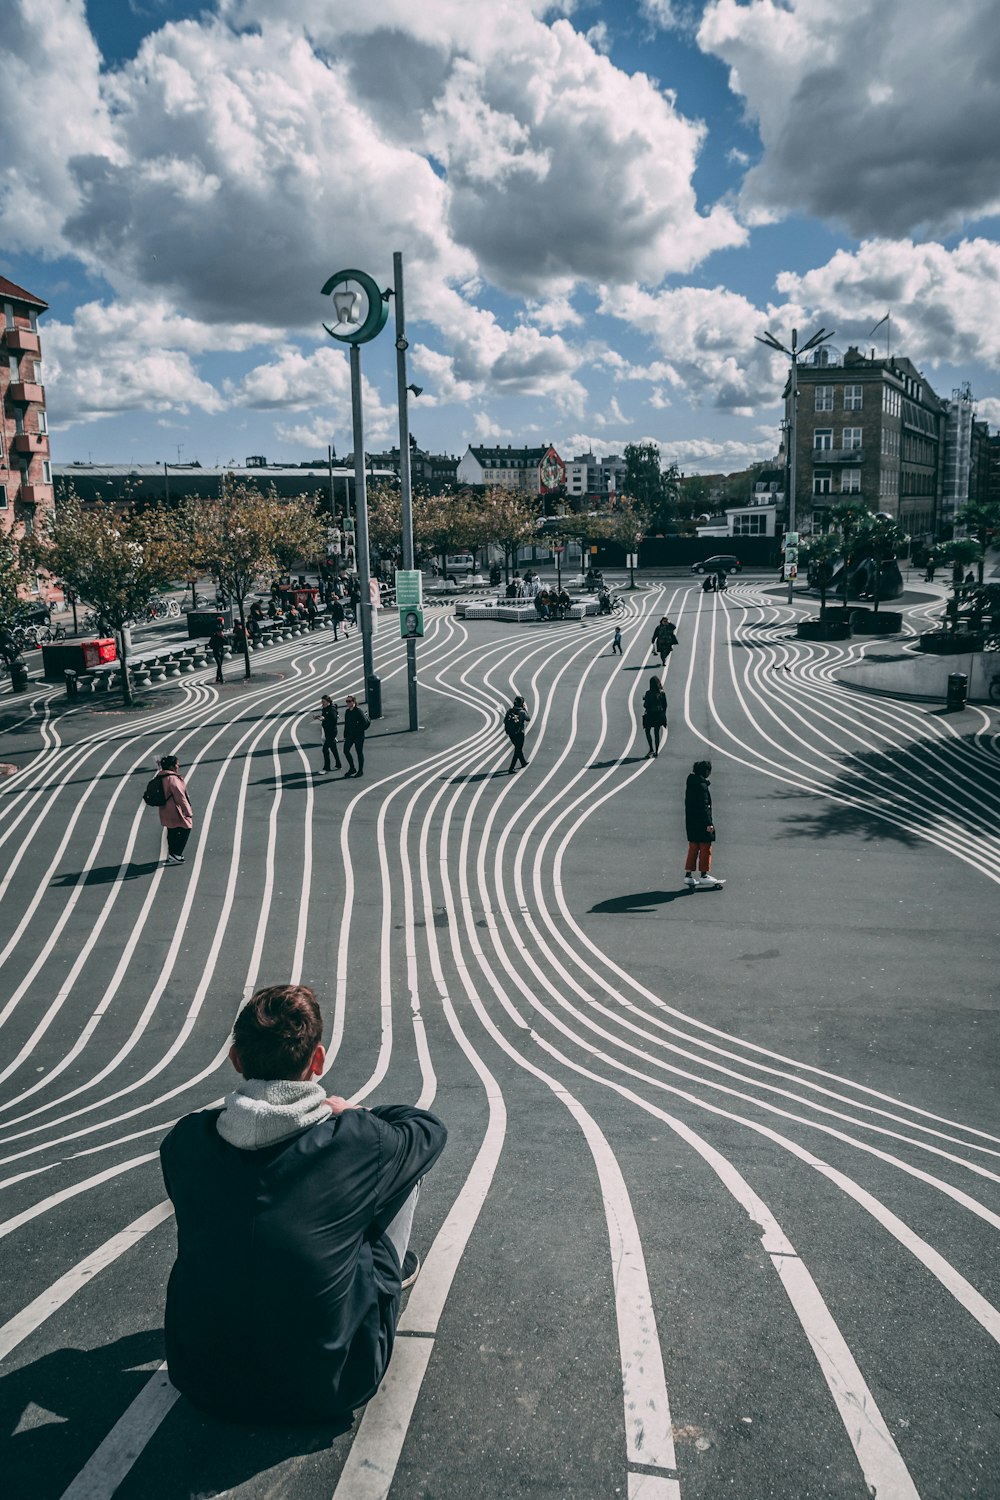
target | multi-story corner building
x=869, y=429
x=536, y=471
x=597, y=479
x=25, y=465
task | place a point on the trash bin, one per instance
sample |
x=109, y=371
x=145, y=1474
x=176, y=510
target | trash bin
x=72, y=687
x=958, y=689
x=374, y=696
x=18, y=675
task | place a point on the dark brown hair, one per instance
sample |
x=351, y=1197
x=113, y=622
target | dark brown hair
x=277, y=1031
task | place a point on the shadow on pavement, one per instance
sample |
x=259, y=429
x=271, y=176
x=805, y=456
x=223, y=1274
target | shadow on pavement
x=59, y=1408
x=639, y=902
x=624, y=760
x=107, y=874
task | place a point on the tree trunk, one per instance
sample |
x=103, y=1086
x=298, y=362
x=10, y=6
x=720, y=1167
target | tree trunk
x=246, y=640
x=194, y=595
x=981, y=565
x=843, y=581
x=123, y=660
x=877, y=563
x=822, y=598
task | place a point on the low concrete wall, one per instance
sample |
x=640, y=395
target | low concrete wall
x=911, y=675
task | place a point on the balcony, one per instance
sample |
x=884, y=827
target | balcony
x=35, y=494
x=23, y=340
x=26, y=393
x=31, y=442
x=837, y=455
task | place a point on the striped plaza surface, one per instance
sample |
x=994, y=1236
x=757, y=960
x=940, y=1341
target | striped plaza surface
x=718, y=1213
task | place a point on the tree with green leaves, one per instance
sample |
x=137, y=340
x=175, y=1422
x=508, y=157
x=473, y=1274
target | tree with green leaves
x=439, y=524
x=821, y=553
x=243, y=536
x=385, y=517
x=982, y=519
x=882, y=539
x=625, y=524
x=654, y=489
x=848, y=517
x=116, y=557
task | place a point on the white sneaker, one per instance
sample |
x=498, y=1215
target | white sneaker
x=690, y=878
x=175, y=859
x=710, y=883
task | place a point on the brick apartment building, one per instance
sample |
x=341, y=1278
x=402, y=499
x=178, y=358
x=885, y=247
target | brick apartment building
x=869, y=429
x=25, y=466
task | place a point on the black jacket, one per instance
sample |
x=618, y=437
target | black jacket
x=698, y=809
x=355, y=724
x=330, y=718
x=654, y=708
x=282, y=1302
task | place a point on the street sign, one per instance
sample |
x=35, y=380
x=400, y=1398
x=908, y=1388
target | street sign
x=791, y=556
x=631, y=559
x=409, y=588
x=791, y=571
x=593, y=549
x=411, y=623
x=791, y=538
x=558, y=547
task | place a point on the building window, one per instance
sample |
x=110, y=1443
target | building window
x=19, y=422
x=43, y=421
x=14, y=362
x=33, y=321
x=749, y=526
x=851, y=437
x=46, y=472
x=853, y=396
x=29, y=520
x=823, y=439
x=850, y=482
x=822, y=482
x=824, y=398
x=38, y=372
x=8, y=315
x=3, y=497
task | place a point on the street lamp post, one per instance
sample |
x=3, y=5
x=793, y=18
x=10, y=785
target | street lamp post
x=360, y=312
x=794, y=353
x=405, y=478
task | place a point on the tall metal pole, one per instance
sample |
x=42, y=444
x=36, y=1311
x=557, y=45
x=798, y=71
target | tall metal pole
x=405, y=485
x=792, y=436
x=361, y=536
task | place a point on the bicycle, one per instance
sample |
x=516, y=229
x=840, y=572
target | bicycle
x=45, y=634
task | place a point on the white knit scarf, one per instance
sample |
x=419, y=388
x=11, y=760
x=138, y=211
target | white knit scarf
x=263, y=1111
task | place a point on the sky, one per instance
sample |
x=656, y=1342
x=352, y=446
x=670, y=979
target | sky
x=599, y=205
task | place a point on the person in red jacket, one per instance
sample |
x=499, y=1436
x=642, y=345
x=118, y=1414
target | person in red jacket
x=175, y=814
x=294, y=1211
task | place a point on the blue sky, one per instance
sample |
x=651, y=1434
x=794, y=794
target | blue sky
x=598, y=205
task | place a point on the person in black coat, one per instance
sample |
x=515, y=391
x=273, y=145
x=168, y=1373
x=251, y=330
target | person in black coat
x=337, y=615
x=294, y=1212
x=515, y=724
x=654, y=715
x=218, y=646
x=329, y=717
x=356, y=723
x=700, y=827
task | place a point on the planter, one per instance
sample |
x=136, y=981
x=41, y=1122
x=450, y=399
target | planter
x=824, y=630
x=951, y=643
x=882, y=622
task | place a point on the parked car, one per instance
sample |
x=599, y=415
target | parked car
x=724, y=563
x=460, y=562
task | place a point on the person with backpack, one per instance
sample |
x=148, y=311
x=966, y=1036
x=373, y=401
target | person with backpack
x=664, y=639
x=356, y=723
x=515, y=723
x=329, y=716
x=168, y=793
x=338, y=616
x=654, y=715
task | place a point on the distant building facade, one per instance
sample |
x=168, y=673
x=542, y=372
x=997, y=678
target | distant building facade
x=596, y=479
x=534, y=471
x=26, y=490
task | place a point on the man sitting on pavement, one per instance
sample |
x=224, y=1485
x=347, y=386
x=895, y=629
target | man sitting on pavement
x=294, y=1213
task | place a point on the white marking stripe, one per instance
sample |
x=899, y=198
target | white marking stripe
x=31, y=1317
x=652, y=1487
x=109, y=1464
x=9, y=1225
x=371, y=1464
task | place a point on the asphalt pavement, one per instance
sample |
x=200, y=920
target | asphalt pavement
x=719, y=1208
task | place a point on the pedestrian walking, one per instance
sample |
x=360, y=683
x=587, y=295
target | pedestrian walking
x=174, y=805
x=700, y=829
x=356, y=724
x=515, y=723
x=294, y=1215
x=337, y=615
x=664, y=639
x=616, y=644
x=217, y=645
x=654, y=715
x=311, y=612
x=329, y=717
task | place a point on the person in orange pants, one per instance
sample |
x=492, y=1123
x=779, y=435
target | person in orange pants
x=700, y=829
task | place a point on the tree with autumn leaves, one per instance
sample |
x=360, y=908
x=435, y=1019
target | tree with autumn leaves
x=114, y=557
x=246, y=535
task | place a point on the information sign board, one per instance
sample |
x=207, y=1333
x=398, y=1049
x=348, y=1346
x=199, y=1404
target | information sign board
x=409, y=588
